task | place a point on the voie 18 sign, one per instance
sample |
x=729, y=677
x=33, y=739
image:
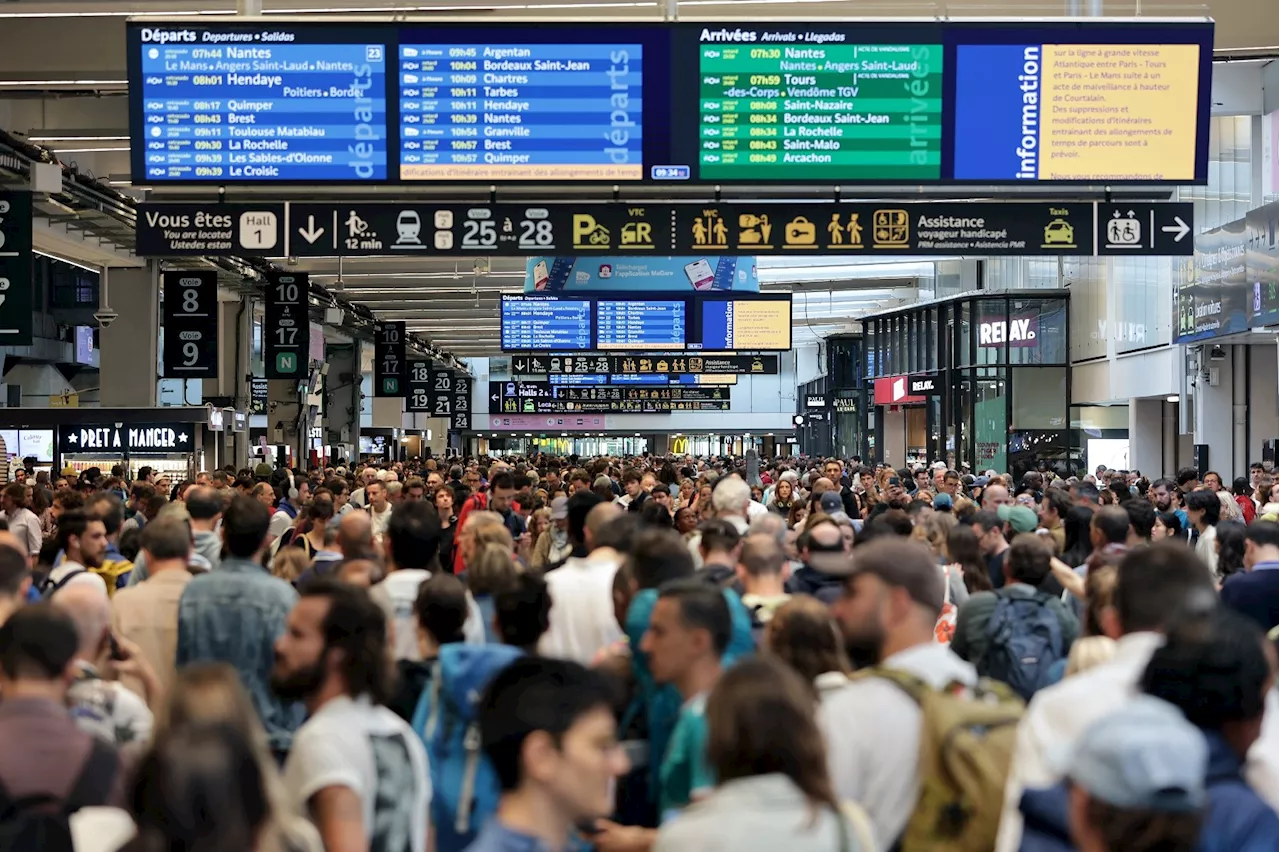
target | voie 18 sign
x=418, y=398
x=126, y=439
x=190, y=324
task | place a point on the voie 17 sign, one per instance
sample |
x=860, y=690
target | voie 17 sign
x=126, y=439
x=190, y=324
x=389, y=362
x=288, y=328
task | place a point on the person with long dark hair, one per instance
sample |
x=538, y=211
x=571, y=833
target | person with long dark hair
x=963, y=551
x=774, y=790
x=1076, y=543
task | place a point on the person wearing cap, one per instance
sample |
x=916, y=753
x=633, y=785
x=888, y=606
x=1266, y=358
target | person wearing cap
x=826, y=561
x=1027, y=565
x=1018, y=519
x=553, y=543
x=1135, y=782
x=891, y=598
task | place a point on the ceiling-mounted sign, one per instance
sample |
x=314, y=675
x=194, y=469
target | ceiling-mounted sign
x=924, y=385
x=441, y=392
x=815, y=400
x=172, y=229
x=646, y=364
x=389, y=360
x=111, y=439
x=544, y=398
x=462, y=396
x=418, y=398
x=190, y=324
x=287, y=327
x=416, y=229
x=17, y=289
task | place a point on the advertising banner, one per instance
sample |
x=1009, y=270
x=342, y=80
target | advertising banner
x=641, y=274
x=1230, y=285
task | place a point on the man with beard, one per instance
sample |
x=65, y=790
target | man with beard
x=891, y=602
x=82, y=538
x=356, y=768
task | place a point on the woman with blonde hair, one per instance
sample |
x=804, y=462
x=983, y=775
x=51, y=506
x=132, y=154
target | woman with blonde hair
x=491, y=571
x=289, y=563
x=211, y=693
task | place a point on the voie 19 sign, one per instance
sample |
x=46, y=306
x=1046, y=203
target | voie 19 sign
x=127, y=439
x=418, y=399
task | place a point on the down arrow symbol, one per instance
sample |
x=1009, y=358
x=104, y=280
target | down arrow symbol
x=311, y=233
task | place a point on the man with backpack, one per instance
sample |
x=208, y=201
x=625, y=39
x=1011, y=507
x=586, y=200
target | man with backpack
x=894, y=728
x=1017, y=633
x=82, y=538
x=49, y=768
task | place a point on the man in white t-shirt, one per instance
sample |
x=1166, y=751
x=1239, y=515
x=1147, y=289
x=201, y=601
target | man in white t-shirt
x=409, y=546
x=379, y=509
x=582, y=619
x=356, y=769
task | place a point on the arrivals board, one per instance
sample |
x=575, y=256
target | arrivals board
x=543, y=322
x=827, y=102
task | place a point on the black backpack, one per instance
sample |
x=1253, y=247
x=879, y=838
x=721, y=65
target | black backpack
x=43, y=821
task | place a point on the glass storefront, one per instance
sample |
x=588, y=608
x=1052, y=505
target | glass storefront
x=1001, y=384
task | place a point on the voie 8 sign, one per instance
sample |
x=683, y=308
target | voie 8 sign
x=190, y=324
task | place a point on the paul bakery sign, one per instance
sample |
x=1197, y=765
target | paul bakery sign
x=169, y=438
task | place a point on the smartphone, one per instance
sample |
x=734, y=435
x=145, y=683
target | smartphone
x=700, y=274
x=894, y=482
x=540, y=275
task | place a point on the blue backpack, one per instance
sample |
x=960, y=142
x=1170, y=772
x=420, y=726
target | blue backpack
x=1024, y=642
x=465, y=788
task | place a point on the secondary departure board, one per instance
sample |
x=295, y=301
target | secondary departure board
x=614, y=103
x=820, y=112
x=521, y=111
x=236, y=106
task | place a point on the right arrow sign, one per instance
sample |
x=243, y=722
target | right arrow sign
x=1145, y=228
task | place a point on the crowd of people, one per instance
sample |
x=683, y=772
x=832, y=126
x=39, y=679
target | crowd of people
x=650, y=653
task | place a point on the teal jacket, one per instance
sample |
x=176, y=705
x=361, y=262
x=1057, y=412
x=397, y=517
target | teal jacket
x=661, y=704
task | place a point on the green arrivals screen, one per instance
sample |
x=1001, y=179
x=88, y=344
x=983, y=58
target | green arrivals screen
x=815, y=112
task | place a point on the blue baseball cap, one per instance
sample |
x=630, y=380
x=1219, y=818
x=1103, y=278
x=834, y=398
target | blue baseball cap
x=942, y=501
x=1146, y=755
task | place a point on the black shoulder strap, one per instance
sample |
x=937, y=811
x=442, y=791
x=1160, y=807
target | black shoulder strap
x=50, y=588
x=96, y=776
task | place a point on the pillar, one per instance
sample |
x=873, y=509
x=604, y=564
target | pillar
x=235, y=333
x=283, y=416
x=1215, y=409
x=1146, y=436
x=129, y=355
x=342, y=398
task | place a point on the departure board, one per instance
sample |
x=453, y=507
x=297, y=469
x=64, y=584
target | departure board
x=521, y=111
x=253, y=105
x=826, y=111
x=638, y=323
x=533, y=323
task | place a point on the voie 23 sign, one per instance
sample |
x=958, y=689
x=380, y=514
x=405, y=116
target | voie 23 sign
x=170, y=438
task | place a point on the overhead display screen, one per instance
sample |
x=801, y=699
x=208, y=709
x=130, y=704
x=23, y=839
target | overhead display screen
x=825, y=102
x=241, y=104
x=543, y=322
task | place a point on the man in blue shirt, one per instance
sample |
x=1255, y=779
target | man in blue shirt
x=234, y=615
x=1256, y=593
x=548, y=730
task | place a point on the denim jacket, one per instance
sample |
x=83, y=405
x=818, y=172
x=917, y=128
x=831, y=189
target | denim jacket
x=234, y=615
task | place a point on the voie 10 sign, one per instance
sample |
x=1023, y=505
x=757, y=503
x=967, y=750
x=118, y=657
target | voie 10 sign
x=389, y=360
x=287, y=326
x=876, y=102
x=190, y=324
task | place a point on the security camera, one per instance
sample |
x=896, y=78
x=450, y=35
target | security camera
x=105, y=317
x=1217, y=353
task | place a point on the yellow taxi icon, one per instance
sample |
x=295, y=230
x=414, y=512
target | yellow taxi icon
x=1059, y=232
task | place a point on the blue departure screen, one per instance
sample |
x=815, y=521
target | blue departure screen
x=640, y=324
x=256, y=105
x=521, y=111
x=539, y=324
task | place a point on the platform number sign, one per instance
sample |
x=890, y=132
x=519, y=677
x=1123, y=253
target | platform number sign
x=17, y=288
x=461, y=417
x=418, y=398
x=390, y=364
x=190, y=324
x=287, y=328
x=441, y=393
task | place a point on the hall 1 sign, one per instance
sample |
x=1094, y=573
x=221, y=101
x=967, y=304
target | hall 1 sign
x=389, y=360
x=127, y=440
x=17, y=290
x=190, y=324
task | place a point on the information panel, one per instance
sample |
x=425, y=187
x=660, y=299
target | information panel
x=905, y=102
x=190, y=324
x=521, y=111
x=741, y=324
x=258, y=104
x=831, y=111
x=542, y=323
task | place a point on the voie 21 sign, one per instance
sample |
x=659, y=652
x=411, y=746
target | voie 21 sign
x=166, y=438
